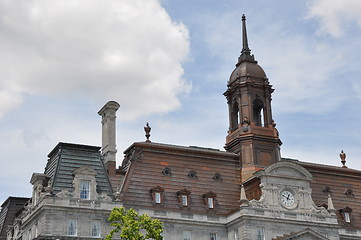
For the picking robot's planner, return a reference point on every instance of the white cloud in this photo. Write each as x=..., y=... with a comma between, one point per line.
x=334, y=14
x=129, y=51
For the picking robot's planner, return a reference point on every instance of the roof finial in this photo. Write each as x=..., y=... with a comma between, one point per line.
x=246, y=52
x=343, y=159
x=147, y=130
x=245, y=48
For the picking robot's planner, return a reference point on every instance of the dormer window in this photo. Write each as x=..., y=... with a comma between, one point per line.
x=84, y=183
x=84, y=189
x=209, y=199
x=157, y=195
x=157, y=198
x=184, y=197
x=184, y=200
x=210, y=203
x=346, y=214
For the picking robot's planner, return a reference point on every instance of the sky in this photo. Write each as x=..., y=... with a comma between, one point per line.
x=167, y=62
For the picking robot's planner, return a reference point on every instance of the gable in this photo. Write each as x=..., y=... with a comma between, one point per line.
x=306, y=234
x=286, y=169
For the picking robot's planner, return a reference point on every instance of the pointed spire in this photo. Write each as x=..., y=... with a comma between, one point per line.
x=330, y=207
x=243, y=200
x=246, y=52
x=245, y=48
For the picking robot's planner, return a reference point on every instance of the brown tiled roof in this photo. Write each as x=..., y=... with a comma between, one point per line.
x=336, y=181
x=145, y=173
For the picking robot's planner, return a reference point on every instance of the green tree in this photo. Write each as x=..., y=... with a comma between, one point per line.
x=132, y=226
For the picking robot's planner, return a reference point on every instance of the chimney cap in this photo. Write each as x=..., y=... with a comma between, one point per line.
x=109, y=105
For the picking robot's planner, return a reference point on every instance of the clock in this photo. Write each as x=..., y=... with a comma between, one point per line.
x=287, y=198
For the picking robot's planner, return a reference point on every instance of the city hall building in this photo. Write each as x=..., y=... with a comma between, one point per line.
x=245, y=192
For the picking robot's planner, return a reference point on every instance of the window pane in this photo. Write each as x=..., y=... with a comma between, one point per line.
x=187, y=235
x=210, y=202
x=157, y=197
x=184, y=200
x=260, y=234
x=71, y=230
x=213, y=236
x=96, y=229
x=347, y=217
x=84, y=189
x=236, y=235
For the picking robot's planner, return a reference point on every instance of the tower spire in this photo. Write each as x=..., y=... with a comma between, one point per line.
x=246, y=52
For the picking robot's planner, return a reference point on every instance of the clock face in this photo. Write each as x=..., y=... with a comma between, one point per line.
x=287, y=198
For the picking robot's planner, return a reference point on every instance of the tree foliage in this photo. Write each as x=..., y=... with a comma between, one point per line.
x=132, y=226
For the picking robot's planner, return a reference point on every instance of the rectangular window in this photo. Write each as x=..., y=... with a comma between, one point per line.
x=210, y=203
x=347, y=217
x=213, y=236
x=187, y=235
x=84, y=189
x=95, y=229
x=71, y=228
x=260, y=234
x=235, y=231
x=157, y=197
x=184, y=200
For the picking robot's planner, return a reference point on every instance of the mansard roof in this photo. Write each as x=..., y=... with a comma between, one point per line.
x=145, y=161
x=66, y=158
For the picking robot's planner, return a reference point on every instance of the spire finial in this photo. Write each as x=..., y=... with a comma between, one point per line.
x=246, y=52
x=343, y=159
x=147, y=130
x=245, y=47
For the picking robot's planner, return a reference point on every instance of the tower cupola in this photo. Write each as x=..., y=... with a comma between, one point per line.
x=252, y=132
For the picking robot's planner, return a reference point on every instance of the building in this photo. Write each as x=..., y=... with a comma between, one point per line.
x=246, y=192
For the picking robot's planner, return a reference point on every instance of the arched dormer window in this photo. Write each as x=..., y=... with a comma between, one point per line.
x=235, y=117
x=210, y=199
x=157, y=194
x=184, y=198
x=346, y=214
x=258, y=112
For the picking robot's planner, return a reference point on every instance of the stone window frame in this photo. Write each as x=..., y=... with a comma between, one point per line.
x=187, y=235
x=346, y=214
x=71, y=232
x=95, y=228
x=157, y=190
x=85, y=174
x=210, y=196
x=181, y=194
x=213, y=236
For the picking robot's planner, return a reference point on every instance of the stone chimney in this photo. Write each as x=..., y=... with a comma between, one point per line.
x=108, y=135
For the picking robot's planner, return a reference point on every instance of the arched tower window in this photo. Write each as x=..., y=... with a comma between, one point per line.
x=235, y=117
x=258, y=112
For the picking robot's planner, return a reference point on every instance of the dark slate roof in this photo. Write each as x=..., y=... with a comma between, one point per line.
x=66, y=157
x=8, y=213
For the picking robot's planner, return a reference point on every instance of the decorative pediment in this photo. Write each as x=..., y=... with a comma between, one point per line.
x=209, y=195
x=157, y=189
x=184, y=192
x=85, y=170
x=286, y=169
x=306, y=234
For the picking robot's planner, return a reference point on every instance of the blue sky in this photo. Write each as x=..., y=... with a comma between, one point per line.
x=167, y=63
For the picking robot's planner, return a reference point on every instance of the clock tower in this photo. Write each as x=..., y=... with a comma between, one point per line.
x=252, y=133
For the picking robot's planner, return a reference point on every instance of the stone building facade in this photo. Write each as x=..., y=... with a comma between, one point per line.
x=247, y=192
